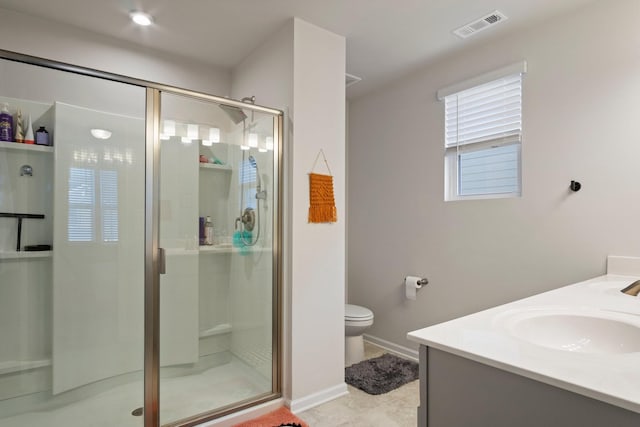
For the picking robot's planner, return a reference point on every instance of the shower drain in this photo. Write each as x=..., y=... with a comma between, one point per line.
x=137, y=412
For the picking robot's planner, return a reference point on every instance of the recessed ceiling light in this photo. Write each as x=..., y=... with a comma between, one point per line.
x=101, y=133
x=141, y=18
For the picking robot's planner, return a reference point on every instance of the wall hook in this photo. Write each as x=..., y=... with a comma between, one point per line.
x=575, y=186
x=26, y=170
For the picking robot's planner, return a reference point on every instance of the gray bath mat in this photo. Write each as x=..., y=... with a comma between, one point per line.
x=381, y=374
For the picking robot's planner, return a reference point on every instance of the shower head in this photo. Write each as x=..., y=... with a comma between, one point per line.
x=254, y=164
x=235, y=114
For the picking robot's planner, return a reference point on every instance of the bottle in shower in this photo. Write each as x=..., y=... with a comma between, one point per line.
x=42, y=136
x=28, y=135
x=6, y=124
x=201, y=230
x=208, y=231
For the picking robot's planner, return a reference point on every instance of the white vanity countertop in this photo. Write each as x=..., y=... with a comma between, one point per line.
x=487, y=337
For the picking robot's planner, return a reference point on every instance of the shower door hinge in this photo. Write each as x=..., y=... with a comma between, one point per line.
x=162, y=261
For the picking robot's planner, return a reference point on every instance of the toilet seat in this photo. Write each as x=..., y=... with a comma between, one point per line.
x=356, y=313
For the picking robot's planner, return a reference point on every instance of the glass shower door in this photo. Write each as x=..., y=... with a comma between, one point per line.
x=218, y=205
x=72, y=220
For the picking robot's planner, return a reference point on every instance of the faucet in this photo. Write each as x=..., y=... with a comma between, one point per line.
x=248, y=219
x=633, y=289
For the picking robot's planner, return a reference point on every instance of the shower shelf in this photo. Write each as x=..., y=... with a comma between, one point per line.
x=229, y=249
x=26, y=147
x=217, y=249
x=180, y=251
x=223, y=168
x=25, y=255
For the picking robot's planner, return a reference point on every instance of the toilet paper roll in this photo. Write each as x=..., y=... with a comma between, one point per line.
x=411, y=286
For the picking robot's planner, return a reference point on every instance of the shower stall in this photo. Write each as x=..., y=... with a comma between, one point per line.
x=118, y=307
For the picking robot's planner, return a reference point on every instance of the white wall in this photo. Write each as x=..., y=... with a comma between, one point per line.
x=301, y=71
x=317, y=250
x=580, y=122
x=47, y=39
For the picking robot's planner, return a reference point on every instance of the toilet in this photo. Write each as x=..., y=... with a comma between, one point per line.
x=357, y=320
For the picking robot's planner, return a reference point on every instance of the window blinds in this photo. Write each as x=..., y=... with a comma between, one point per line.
x=109, y=205
x=248, y=175
x=488, y=112
x=83, y=196
x=81, y=205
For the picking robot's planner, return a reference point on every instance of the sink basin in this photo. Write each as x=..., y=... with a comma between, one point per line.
x=581, y=331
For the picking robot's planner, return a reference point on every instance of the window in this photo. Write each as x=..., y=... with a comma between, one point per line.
x=109, y=205
x=83, y=212
x=81, y=201
x=248, y=176
x=483, y=134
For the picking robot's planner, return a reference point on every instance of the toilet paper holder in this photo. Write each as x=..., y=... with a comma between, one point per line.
x=412, y=284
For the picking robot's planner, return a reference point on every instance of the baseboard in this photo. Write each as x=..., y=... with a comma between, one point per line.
x=246, y=414
x=298, y=405
x=392, y=347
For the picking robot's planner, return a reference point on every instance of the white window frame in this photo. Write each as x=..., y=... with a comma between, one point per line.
x=452, y=153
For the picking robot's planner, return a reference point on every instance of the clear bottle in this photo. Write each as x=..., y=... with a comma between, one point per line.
x=208, y=231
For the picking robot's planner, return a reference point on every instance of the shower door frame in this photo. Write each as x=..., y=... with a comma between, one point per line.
x=154, y=254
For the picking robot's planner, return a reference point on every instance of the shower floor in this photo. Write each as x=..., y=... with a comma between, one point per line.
x=180, y=397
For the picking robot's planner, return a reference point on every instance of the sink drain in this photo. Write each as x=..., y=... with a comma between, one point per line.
x=137, y=412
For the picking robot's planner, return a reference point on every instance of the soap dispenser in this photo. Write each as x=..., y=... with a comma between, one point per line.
x=6, y=124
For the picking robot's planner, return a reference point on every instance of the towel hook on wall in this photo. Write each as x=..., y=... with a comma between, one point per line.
x=26, y=170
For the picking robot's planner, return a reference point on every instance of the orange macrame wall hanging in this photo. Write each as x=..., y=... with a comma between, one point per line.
x=322, y=205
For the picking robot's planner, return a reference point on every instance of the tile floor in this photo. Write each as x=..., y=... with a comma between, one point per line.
x=358, y=409
x=398, y=408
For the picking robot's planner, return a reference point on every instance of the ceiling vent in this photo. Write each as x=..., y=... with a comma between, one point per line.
x=478, y=25
x=351, y=79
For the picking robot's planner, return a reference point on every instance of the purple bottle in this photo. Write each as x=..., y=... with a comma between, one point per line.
x=201, y=222
x=6, y=124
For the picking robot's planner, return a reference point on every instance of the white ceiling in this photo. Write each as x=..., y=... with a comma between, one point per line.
x=385, y=38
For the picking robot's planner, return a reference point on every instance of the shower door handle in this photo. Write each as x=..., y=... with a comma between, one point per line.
x=162, y=261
